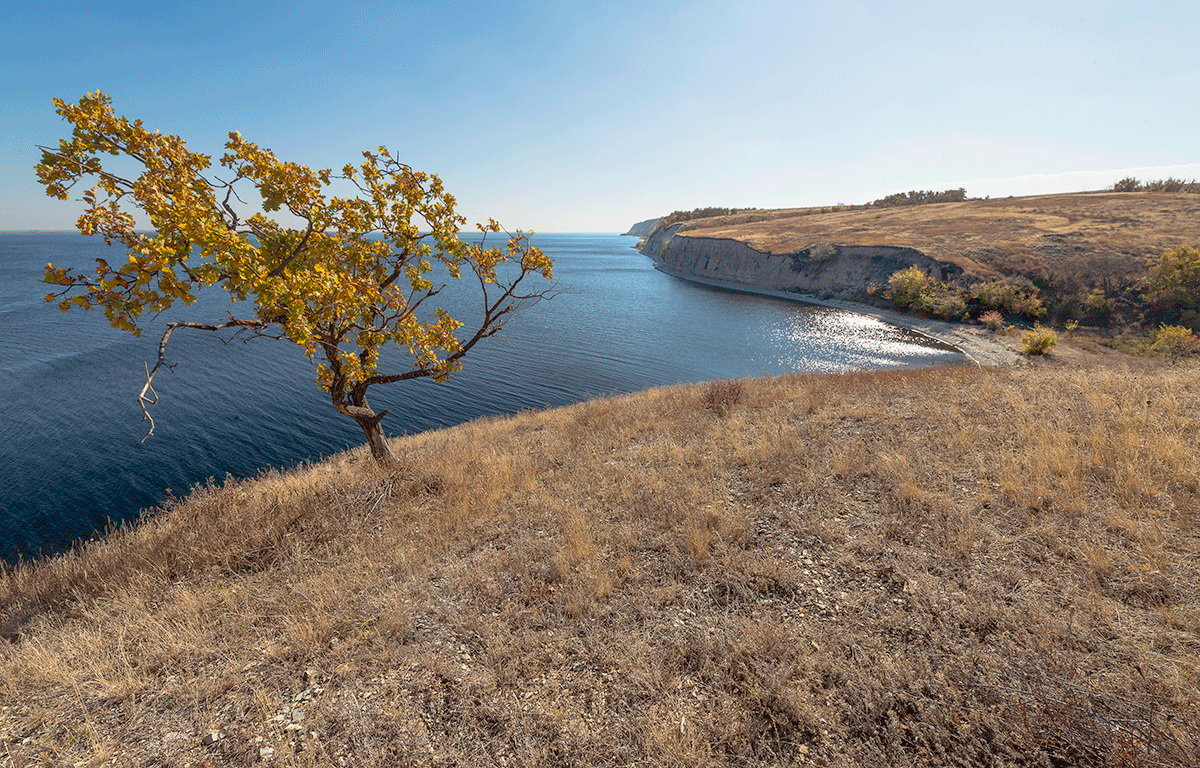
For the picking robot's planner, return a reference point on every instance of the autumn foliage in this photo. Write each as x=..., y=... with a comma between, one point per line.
x=346, y=278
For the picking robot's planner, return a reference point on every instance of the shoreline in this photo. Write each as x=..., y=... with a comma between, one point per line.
x=978, y=346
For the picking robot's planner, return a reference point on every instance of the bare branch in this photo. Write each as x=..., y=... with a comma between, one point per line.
x=495, y=315
x=147, y=397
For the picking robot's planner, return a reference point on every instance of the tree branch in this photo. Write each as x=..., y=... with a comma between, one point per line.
x=495, y=314
x=308, y=230
x=147, y=396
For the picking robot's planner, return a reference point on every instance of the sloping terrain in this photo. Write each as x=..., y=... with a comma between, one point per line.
x=1059, y=242
x=995, y=567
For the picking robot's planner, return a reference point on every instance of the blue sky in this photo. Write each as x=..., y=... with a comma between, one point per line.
x=587, y=116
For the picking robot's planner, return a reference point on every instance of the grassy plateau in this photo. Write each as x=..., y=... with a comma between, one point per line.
x=1059, y=242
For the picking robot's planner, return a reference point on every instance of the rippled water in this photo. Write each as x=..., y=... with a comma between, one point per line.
x=69, y=426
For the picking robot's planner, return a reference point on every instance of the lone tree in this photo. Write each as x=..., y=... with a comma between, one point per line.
x=348, y=277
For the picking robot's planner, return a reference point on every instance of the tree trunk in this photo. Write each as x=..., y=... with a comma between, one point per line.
x=380, y=448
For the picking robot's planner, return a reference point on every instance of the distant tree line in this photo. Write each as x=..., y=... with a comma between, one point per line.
x=920, y=197
x=912, y=197
x=1169, y=184
x=675, y=217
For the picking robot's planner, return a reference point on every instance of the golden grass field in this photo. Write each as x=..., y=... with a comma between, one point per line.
x=965, y=567
x=1073, y=239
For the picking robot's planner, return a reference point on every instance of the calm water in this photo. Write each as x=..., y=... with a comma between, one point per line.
x=70, y=459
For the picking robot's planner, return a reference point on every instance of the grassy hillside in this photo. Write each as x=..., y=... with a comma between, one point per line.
x=1059, y=242
x=939, y=567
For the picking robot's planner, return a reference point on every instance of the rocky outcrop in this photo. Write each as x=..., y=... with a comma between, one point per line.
x=643, y=228
x=822, y=269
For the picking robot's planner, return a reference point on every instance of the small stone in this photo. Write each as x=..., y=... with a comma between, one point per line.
x=266, y=753
x=211, y=738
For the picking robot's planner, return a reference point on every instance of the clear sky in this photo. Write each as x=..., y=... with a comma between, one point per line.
x=559, y=115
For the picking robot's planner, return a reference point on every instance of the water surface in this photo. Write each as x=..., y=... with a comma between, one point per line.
x=69, y=426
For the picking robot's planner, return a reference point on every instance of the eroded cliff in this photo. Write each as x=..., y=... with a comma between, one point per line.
x=1062, y=244
x=822, y=269
x=643, y=228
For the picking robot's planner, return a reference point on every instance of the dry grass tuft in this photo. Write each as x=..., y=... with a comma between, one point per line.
x=721, y=397
x=942, y=567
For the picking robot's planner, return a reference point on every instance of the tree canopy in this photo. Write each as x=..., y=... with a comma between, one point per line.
x=346, y=277
x=1172, y=283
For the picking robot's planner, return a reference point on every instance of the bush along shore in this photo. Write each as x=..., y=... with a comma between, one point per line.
x=964, y=567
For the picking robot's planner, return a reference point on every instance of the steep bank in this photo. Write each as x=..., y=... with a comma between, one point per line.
x=643, y=228
x=832, y=276
x=1057, y=242
x=956, y=567
x=822, y=269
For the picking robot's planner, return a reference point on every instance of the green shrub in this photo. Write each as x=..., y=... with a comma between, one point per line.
x=1097, y=304
x=948, y=304
x=1169, y=184
x=1038, y=341
x=922, y=196
x=914, y=290
x=910, y=288
x=1006, y=298
x=1174, y=341
x=1172, y=282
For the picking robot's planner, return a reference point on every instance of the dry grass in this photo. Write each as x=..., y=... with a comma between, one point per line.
x=950, y=567
x=723, y=396
x=1067, y=241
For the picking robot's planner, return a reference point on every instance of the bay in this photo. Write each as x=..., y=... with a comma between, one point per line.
x=71, y=456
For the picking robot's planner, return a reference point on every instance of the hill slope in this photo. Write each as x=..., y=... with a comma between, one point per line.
x=1061, y=243
x=953, y=567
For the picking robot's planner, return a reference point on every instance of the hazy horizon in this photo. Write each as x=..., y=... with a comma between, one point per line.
x=566, y=117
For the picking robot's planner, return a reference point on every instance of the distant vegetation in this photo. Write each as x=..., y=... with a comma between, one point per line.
x=675, y=217
x=1169, y=184
x=1166, y=292
x=1143, y=273
x=912, y=197
x=921, y=196
x=913, y=290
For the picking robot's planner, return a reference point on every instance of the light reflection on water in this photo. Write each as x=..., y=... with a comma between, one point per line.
x=876, y=344
x=70, y=457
